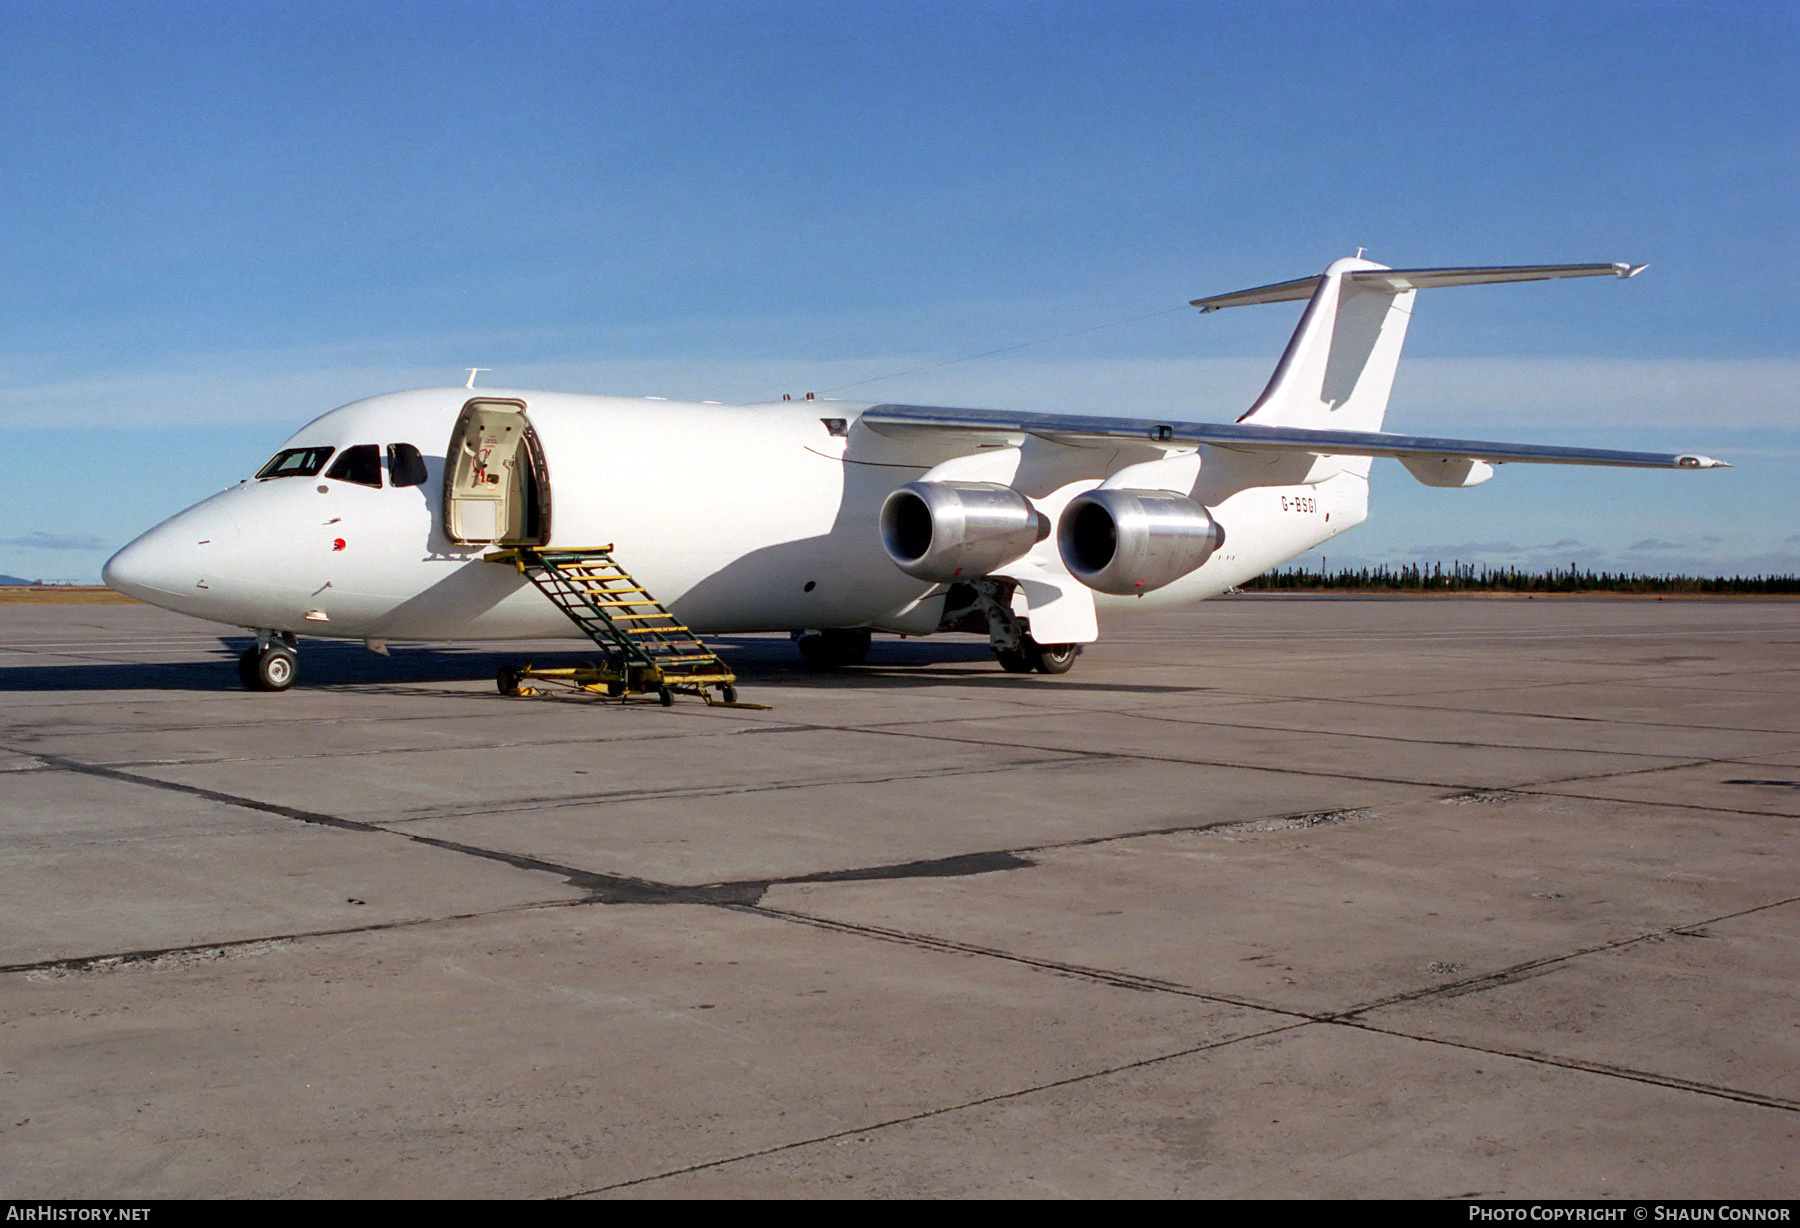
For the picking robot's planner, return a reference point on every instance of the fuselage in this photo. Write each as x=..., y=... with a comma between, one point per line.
x=741, y=518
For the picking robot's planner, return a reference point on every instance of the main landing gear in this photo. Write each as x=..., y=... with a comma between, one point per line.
x=1043, y=658
x=987, y=604
x=271, y=663
x=977, y=605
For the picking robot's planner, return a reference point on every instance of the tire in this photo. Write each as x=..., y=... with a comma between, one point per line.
x=271, y=668
x=1013, y=660
x=665, y=695
x=728, y=693
x=1052, y=658
x=507, y=680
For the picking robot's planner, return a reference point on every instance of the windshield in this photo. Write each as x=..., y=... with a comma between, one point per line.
x=295, y=463
x=361, y=464
x=405, y=466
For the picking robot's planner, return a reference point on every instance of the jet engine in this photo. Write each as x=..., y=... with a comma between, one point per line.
x=958, y=530
x=1128, y=542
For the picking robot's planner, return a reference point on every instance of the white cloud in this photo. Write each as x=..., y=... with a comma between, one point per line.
x=1772, y=563
x=39, y=540
x=292, y=389
x=1471, y=550
x=1433, y=394
x=1690, y=393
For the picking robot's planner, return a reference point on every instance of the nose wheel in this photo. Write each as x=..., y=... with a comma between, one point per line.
x=268, y=667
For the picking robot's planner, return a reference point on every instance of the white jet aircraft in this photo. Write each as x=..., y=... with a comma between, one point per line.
x=827, y=519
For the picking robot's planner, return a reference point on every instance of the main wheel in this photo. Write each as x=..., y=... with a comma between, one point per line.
x=1051, y=658
x=1013, y=660
x=269, y=668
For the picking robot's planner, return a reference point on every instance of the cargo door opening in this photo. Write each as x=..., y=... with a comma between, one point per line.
x=496, y=487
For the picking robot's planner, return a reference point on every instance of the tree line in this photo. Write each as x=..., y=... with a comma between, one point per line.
x=1470, y=578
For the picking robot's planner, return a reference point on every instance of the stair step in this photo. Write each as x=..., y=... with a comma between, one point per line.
x=622, y=616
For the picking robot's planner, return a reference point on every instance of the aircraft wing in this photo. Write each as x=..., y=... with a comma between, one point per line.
x=924, y=421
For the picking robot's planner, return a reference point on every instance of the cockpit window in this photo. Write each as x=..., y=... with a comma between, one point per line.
x=405, y=466
x=361, y=464
x=296, y=463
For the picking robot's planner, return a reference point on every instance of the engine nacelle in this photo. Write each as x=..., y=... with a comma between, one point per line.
x=958, y=530
x=1127, y=542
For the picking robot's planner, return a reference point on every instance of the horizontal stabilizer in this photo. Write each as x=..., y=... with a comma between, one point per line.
x=915, y=421
x=1415, y=279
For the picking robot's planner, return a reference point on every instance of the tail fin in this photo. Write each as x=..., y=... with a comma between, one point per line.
x=1338, y=369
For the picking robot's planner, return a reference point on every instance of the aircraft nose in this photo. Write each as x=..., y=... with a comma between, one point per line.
x=139, y=570
x=169, y=560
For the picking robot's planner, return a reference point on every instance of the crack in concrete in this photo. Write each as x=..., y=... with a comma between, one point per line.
x=1630, y=1074
x=675, y=792
x=153, y=957
x=926, y=1114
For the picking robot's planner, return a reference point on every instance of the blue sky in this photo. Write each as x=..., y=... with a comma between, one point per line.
x=221, y=220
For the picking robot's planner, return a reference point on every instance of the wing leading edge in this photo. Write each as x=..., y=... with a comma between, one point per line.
x=915, y=421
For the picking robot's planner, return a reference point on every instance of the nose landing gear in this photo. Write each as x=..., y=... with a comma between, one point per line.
x=270, y=664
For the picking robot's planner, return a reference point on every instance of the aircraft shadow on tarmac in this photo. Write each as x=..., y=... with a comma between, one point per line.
x=763, y=662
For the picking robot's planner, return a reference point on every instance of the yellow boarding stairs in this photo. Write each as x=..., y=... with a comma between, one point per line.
x=647, y=648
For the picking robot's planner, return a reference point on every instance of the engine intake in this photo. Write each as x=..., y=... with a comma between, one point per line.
x=1127, y=542
x=958, y=530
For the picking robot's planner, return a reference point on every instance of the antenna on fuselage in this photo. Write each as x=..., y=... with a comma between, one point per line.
x=473, y=371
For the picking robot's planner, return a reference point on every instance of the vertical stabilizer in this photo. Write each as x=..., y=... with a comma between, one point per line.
x=1338, y=369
